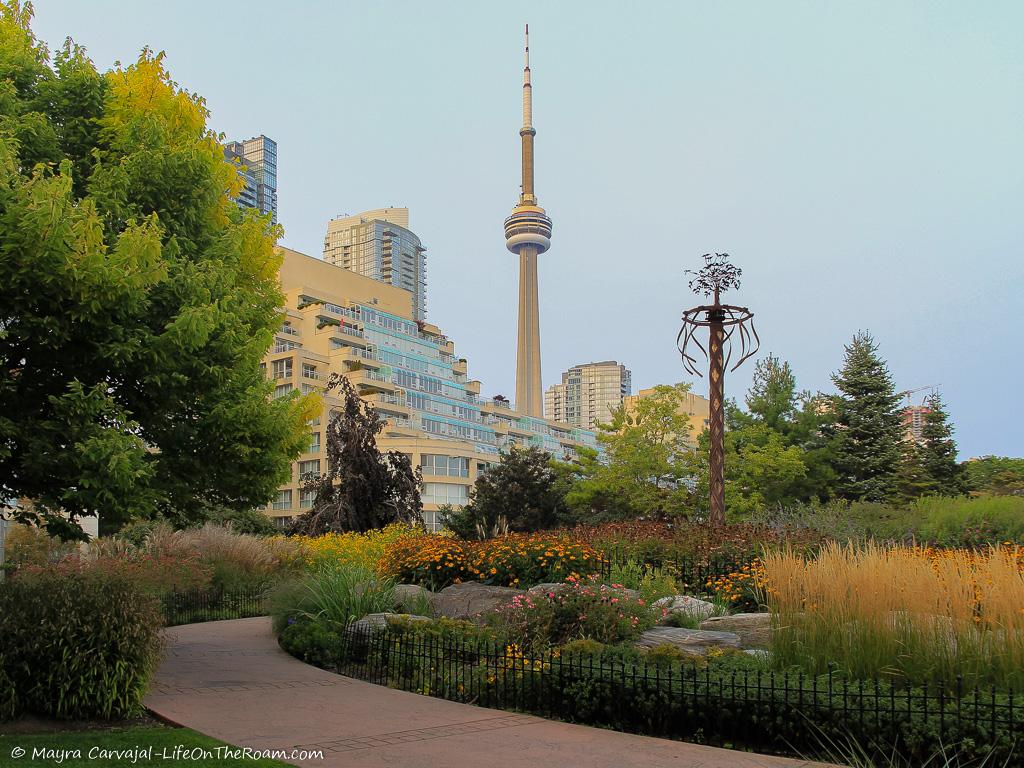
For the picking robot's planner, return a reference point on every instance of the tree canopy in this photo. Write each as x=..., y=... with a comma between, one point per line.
x=363, y=488
x=647, y=467
x=136, y=300
x=866, y=428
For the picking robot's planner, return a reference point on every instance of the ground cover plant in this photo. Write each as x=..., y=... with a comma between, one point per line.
x=581, y=609
x=915, y=615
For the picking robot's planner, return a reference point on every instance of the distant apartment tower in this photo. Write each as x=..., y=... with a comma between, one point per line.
x=913, y=422
x=379, y=245
x=257, y=161
x=588, y=393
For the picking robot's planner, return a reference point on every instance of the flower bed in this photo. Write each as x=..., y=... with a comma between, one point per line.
x=512, y=560
x=581, y=609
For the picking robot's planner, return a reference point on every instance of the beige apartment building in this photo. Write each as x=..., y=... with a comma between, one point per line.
x=588, y=393
x=337, y=321
x=696, y=407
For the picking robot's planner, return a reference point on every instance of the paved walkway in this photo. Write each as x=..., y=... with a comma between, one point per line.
x=229, y=679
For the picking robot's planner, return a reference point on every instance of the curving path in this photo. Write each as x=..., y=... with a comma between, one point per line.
x=229, y=679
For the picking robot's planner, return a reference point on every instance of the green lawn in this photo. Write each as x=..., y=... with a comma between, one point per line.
x=179, y=745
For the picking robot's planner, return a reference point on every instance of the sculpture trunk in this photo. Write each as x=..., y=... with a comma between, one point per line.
x=716, y=393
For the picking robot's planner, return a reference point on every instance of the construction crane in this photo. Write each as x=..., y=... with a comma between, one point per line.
x=905, y=394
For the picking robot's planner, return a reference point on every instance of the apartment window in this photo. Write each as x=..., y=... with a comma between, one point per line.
x=445, y=493
x=451, y=466
x=283, y=522
x=282, y=368
x=311, y=467
x=307, y=388
x=283, y=500
x=282, y=390
x=306, y=499
x=314, y=442
x=309, y=371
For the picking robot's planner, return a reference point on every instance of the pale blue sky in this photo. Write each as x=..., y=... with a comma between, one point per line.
x=862, y=162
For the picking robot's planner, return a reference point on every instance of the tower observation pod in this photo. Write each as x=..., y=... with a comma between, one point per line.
x=528, y=233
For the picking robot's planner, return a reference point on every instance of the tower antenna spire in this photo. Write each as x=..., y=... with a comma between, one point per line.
x=528, y=234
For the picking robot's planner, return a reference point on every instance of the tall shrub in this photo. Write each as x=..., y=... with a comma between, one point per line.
x=78, y=645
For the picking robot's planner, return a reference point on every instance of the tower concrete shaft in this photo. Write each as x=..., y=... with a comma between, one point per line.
x=528, y=233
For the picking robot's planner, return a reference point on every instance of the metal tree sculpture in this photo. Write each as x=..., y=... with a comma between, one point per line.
x=723, y=321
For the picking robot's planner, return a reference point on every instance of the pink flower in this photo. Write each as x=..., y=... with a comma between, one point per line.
x=615, y=600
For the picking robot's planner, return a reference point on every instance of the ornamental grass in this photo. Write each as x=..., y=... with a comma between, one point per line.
x=916, y=615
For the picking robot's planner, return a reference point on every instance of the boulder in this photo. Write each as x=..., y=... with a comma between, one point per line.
x=695, y=642
x=543, y=589
x=374, y=622
x=470, y=599
x=691, y=606
x=754, y=629
x=410, y=596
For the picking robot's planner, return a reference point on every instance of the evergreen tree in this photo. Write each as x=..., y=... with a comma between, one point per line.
x=912, y=479
x=136, y=300
x=867, y=430
x=362, y=488
x=772, y=398
x=938, y=450
x=519, y=493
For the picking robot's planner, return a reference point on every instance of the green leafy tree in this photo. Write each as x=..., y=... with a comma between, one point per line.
x=761, y=470
x=866, y=431
x=938, y=450
x=136, y=300
x=647, y=463
x=520, y=493
x=362, y=488
x=997, y=475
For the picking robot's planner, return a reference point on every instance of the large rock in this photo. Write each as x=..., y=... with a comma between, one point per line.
x=412, y=596
x=695, y=642
x=547, y=588
x=470, y=599
x=374, y=622
x=691, y=606
x=754, y=629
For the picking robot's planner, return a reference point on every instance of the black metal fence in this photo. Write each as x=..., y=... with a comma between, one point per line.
x=198, y=605
x=748, y=709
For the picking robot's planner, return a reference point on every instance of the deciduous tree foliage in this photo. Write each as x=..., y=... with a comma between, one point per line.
x=647, y=463
x=136, y=300
x=998, y=475
x=362, y=488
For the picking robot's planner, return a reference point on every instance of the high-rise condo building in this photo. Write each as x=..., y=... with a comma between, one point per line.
x=914, y=417
x=337, y=321
x=588, y=393
x=257, y=161
x=696, y=407
x=528, y=233
x=379, y=245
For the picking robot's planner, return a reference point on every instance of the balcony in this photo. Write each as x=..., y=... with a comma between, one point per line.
x=460, y=367
x=388, y=404
x=473, y=387
x=357, y=357
x=369, y=381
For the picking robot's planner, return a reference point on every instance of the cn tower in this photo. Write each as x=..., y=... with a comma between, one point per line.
x=528, y=233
